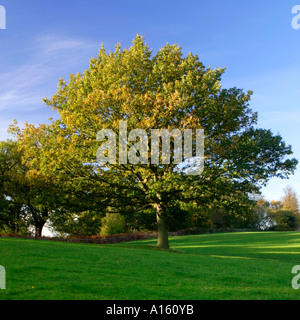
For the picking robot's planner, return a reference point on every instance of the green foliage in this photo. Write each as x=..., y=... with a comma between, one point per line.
x=112, y=223
x=166, y=90
x=142, y=220
x=177, y=218
x=262, y=220
x=277, y=215
x=13, y=219
x=284, y=220
x=80, y=224
x=198, y=216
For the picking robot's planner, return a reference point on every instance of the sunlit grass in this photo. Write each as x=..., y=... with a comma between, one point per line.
x=213, y=266
x=263, y=245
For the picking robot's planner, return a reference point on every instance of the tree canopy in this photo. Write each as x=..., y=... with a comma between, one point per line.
x=166, y=90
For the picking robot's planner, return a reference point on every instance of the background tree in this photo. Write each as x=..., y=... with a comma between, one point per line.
x=161, y=91
x=12, y=217
x=275, y=205
x=35, y=191
x=283, y=220
x=262, y=218
x=290, y=200
x=278, y=215
x=65, y=201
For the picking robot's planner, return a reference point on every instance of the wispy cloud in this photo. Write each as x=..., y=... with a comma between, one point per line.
x=62, y=45
x=52, y=47
x=26, y=85
x=23, y=87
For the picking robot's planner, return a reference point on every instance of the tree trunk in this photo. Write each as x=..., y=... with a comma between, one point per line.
x=39, y=228
x=162, y=238
x=39, y=219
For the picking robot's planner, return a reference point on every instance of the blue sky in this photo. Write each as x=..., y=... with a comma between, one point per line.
x=254, y=40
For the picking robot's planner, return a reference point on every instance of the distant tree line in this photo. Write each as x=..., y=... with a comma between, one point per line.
x=280, y=215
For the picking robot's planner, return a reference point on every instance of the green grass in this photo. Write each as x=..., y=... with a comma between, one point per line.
x=215, y=266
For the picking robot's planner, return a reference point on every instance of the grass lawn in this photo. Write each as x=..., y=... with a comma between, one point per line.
x=215, y=266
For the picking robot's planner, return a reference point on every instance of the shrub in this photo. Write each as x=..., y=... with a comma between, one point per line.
x=284, y=220
x=112, y=223
x=81, y=224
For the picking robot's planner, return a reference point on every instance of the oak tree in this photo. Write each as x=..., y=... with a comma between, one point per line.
x=165, y=90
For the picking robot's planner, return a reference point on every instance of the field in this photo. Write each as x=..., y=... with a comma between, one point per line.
x=220, y=266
